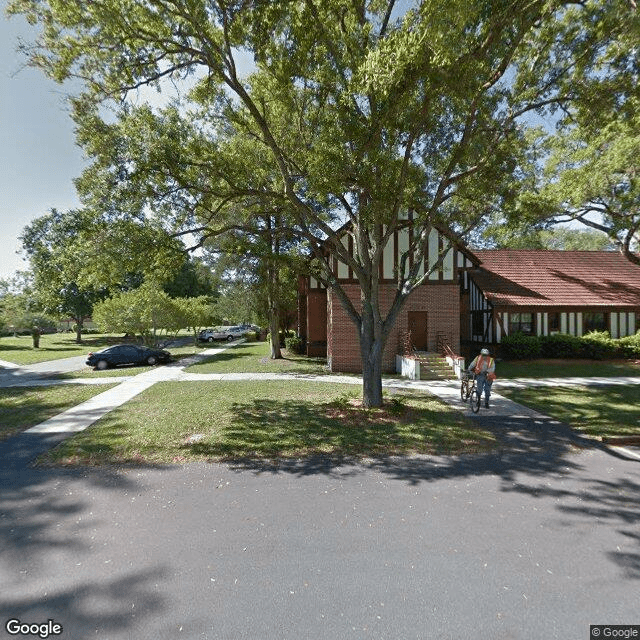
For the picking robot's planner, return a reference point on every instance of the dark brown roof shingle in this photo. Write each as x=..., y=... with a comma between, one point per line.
x=515, y=277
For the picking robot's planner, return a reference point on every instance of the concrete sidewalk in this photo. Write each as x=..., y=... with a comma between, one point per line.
x=85, y=414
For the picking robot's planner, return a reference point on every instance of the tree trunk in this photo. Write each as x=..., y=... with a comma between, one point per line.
x=372, y=378
x=372, y=341
x=78, y=330
x=274, y=331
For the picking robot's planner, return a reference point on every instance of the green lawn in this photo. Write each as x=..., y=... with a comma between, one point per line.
x=233, y=420
x=24, y=407
x=53, y=346
x=567, y=368
x=596, y=411
x=253, y=357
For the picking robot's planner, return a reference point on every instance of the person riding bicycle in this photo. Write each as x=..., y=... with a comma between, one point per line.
x=484, y=366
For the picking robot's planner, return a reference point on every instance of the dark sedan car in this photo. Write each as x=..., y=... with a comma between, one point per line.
x=127, y=354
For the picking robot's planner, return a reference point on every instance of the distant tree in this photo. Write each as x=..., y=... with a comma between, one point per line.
x=196, y=314
x=76, y=258
x=502, y=235
x=194, y=279
x=593, y=174
x=589, y=165
x=146, y=311
x=20, y=308
x=260, y=258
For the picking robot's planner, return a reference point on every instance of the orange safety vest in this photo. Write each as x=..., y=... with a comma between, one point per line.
x=480, y=361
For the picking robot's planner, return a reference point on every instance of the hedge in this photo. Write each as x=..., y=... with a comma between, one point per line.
x=596, y=345
x=519, y=346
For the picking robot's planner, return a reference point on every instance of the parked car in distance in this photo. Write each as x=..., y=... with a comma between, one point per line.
x=121, y=354
x=221, y=333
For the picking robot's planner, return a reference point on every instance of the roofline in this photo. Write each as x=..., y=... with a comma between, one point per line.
x=457, y=243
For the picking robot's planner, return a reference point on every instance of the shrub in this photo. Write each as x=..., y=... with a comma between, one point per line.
x=559, y=345
x=598, y=345
x=518, y=346
x=630, y=346
x=293, y=344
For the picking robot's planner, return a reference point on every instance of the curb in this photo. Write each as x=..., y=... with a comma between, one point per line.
x=620, y=440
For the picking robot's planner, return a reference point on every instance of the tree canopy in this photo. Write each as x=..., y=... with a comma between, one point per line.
x=593, y=175
x=353, y=111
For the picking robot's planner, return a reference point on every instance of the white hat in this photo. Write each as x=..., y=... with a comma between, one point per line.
x=484, y=352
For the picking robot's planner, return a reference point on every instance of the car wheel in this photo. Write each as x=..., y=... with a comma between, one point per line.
x=210, y=339
x=102, y=365
x=151, y=360
x=229, y=338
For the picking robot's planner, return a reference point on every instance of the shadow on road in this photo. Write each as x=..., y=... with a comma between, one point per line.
x=539, y=458
x=44, y=530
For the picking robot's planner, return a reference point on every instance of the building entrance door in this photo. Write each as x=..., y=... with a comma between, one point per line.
x=418, y=327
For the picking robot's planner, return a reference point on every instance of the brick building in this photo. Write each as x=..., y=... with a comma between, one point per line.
x=476, y=298
x=432, y=312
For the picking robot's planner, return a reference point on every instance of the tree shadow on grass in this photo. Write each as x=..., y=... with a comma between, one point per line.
x=290, y=428
x=260, y=362
x=229, y=355
x=22, y=407
x=297, y=438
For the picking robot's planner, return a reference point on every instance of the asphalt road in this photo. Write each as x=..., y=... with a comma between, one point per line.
x=537, y=543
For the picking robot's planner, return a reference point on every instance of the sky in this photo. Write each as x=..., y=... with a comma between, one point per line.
x=38, y=155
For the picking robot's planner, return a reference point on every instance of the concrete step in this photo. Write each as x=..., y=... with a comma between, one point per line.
x=434, y=367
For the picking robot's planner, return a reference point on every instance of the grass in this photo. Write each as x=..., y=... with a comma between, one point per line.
x=179, y=422
x=24, y=407
x=53, y=346
x=253, y=357
x=567, y=368
x=88, y=372
x=596, y=411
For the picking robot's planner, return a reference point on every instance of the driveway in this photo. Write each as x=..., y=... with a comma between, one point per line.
x=11, y=374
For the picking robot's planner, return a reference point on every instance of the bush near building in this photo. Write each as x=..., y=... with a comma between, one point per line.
x=596, y=345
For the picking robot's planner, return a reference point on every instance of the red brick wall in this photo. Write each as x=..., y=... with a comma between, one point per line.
x=441, y=301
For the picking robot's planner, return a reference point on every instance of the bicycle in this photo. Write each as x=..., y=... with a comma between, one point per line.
x=469, y=391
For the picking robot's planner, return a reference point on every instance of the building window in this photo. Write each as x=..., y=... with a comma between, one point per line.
x=522, y=322
x=477, y=324
x=594, y=322
x=554, y=323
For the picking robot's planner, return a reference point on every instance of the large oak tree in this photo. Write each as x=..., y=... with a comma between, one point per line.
x=358, y=112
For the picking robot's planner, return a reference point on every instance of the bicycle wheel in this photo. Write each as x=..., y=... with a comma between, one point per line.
x=474, y=400
x=464, y=389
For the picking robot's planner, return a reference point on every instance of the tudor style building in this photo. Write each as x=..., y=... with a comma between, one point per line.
x=476, y=298
x=545, y=292
x=432, y=312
